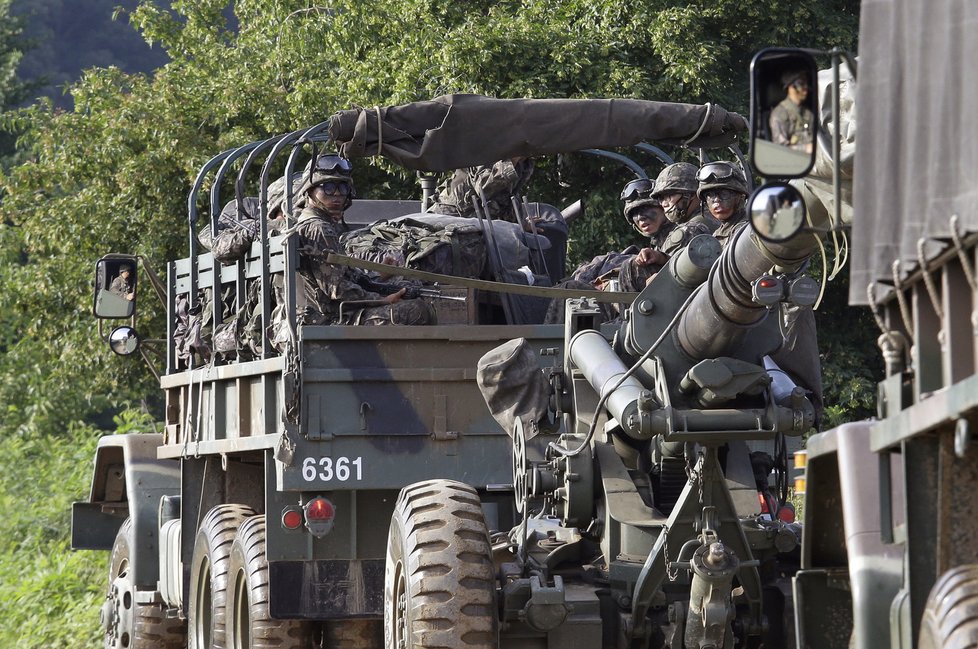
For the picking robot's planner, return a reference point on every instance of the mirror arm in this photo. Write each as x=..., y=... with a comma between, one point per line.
x=149, y=363
x=154, y=279
x=836, y=142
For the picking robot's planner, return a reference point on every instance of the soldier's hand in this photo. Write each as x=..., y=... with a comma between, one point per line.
x=648, y=257
x=395, y=297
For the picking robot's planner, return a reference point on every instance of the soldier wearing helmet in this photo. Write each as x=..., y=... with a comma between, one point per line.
x=123, y=285
x=645, y=214
x=328, y=192
x=675, y=187
x=791, y=120
x=723, y=189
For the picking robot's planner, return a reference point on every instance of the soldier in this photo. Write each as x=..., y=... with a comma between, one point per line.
x=675, y=190
x=122, y=285
x=723, y=190
x=675, y=187
x=648, y=218
x=791, y=121
x=328, y=193
x=498, y=183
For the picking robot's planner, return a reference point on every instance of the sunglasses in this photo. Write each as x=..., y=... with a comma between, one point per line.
x=332, y=163
x=639, y=188
x=333, y=188
x=715, y=171
x=799, y=85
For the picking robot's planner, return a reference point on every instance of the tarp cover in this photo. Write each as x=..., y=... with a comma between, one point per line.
x=456, y=131
x=917, y=152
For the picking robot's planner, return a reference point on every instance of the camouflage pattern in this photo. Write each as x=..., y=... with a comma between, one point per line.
x=326, y=286
x=120, y=285
x=724, y=234
x=791, y=125
x=514, y=387
x=633, y=275
x=499, y=183
x=679, y=177
x=588, y=272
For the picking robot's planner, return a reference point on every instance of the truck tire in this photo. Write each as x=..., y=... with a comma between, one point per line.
x=439, y=583
x=951, y=615
x=249, y=626
x=127, y=623
x=206, y=615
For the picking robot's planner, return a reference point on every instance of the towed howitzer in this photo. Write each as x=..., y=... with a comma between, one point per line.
x=651, y=490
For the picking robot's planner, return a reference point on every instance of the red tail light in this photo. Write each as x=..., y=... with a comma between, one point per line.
x=319, y=516
x=291, y=518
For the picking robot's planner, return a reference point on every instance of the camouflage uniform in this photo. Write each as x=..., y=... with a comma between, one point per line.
x=121, y=286
x=669, y=239
x=724, y=234
x=325, y=286
x=791, y=125
x=499, y=183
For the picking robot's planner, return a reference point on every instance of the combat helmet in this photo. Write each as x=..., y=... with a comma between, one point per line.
x=329, y=167
x=677, y=178
x=720, y=175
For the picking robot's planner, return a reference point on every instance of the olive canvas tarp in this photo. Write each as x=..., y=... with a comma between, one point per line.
x=917, y=150
x=456, y=131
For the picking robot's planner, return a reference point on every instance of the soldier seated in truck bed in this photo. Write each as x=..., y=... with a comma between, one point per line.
x=333, y=294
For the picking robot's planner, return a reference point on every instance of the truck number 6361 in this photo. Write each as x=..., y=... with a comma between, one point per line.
x=326, y=468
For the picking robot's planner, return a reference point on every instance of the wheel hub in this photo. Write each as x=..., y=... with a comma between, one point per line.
x=116, y=615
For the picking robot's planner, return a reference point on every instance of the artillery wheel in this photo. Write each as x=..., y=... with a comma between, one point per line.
x=127, y=623
x=950, y=618
x=249, y=625
x=439, y=584
x=206, y=614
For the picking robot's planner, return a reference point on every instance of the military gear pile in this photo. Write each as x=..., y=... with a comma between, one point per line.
x=454, y=249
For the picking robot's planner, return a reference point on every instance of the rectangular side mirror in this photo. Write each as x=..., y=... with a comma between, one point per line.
x=115, y=287
x=784, y=112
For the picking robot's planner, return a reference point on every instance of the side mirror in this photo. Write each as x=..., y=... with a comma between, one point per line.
x=784, y=112
x=124, y=340
x=115, y=287
x=777, y=212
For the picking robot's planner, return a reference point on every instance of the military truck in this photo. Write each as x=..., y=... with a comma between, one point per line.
x=258, y=516
x=891, y=504
x=645, y=520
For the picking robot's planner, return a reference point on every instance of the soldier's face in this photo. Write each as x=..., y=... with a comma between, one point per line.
x=798, y=91
x=723, y=203
x=648, y=219
x=677, y=206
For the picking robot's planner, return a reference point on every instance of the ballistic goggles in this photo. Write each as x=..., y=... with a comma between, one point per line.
x=713, y=171
x=332, y=164
x=636, y=189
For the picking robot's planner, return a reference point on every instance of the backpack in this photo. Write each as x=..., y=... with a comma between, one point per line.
x=455, y=249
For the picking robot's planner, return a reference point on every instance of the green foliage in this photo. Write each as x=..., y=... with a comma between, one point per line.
x=41, y=580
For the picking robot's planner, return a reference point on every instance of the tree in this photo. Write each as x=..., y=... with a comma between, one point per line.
x=112, y=175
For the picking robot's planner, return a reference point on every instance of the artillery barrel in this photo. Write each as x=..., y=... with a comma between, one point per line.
x=720, y=316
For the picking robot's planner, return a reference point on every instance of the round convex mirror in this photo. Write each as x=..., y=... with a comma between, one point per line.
x=777, y=211
x=124, y=340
